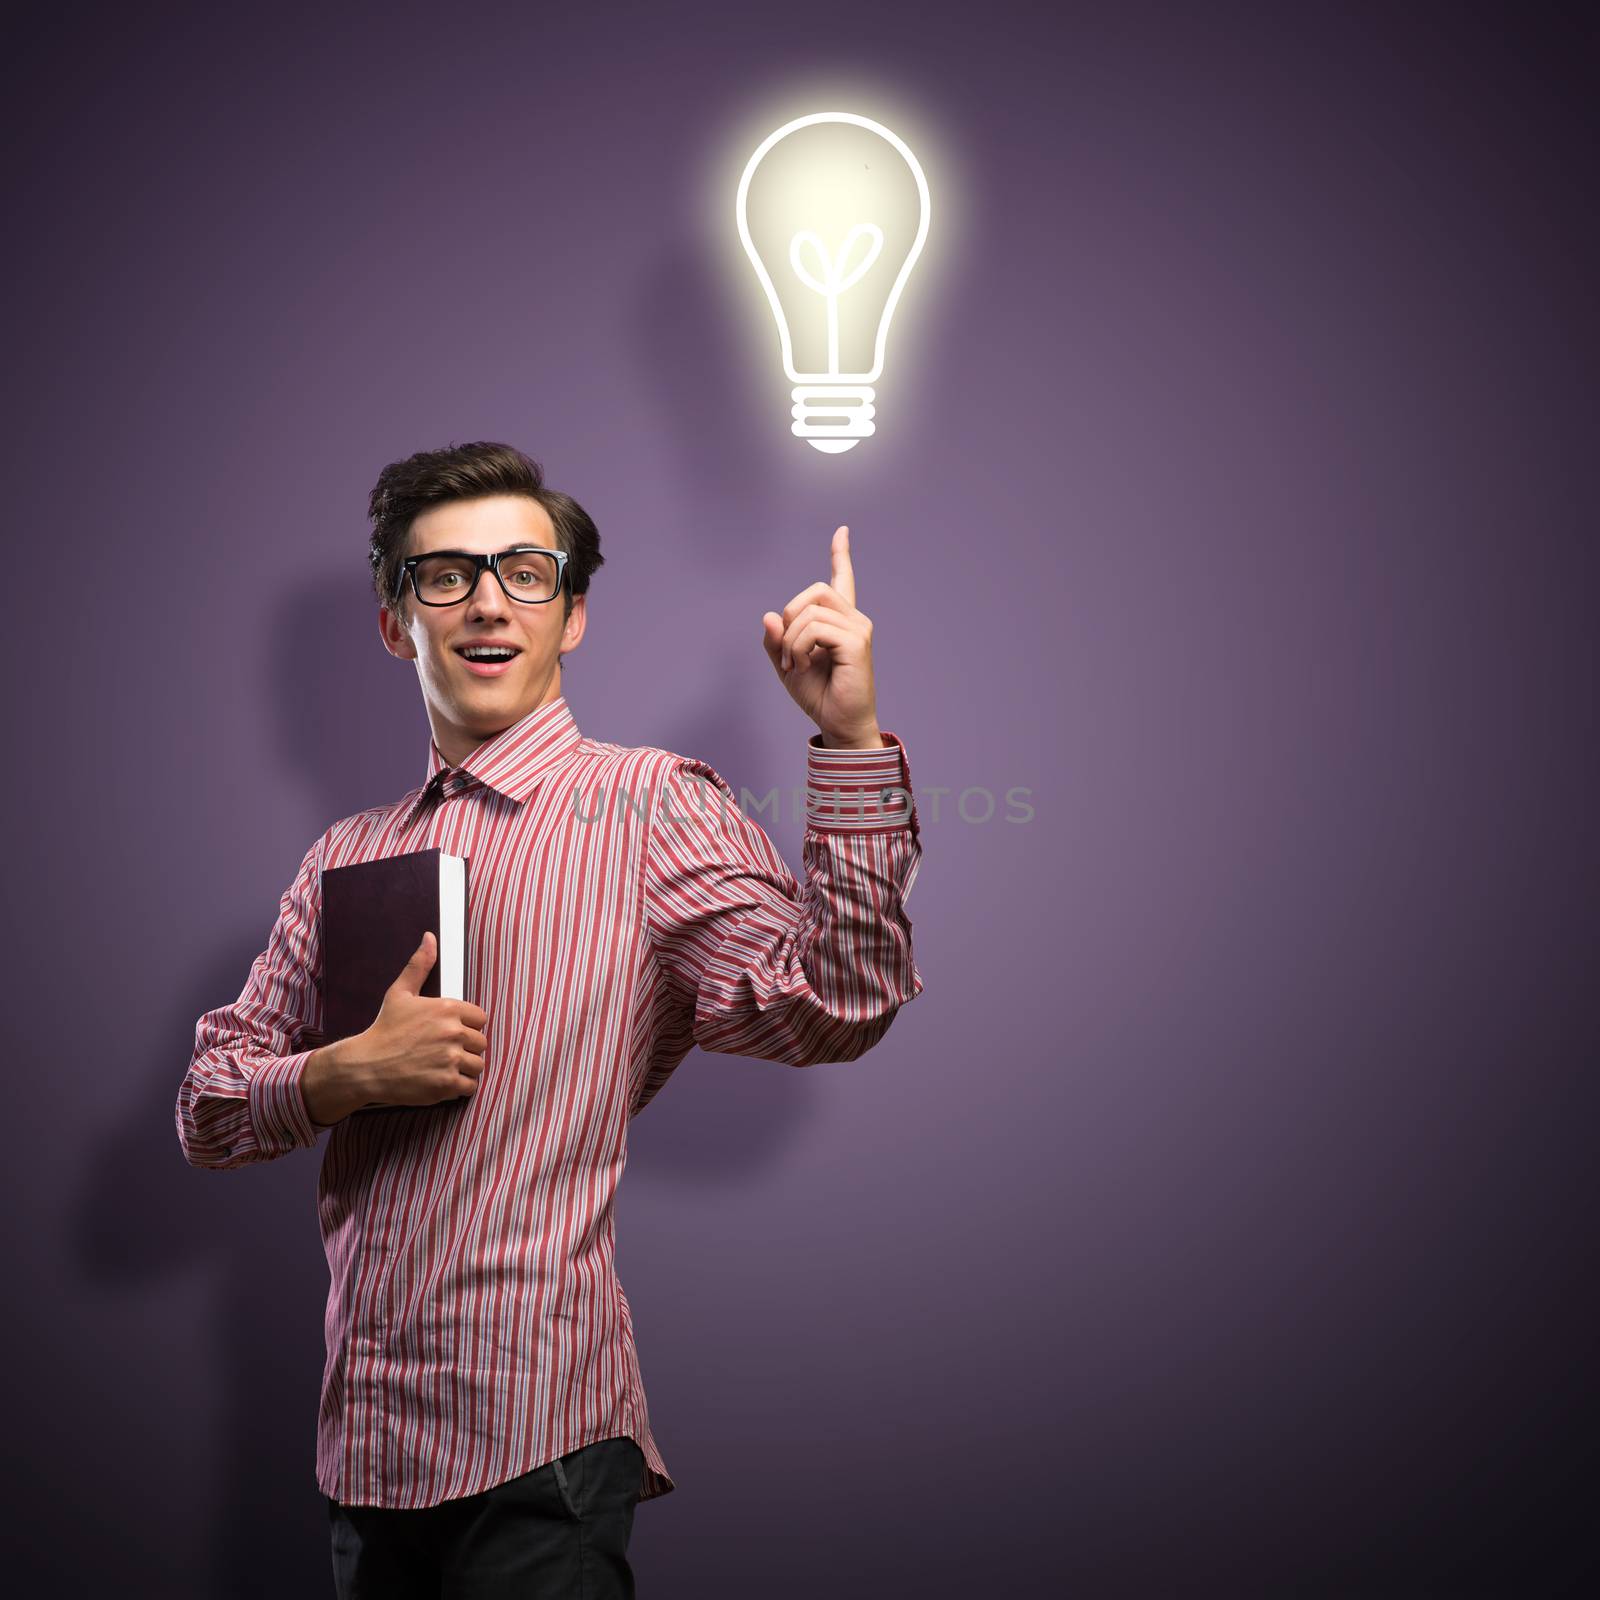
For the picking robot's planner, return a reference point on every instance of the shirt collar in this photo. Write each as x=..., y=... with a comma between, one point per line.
x=513, y=761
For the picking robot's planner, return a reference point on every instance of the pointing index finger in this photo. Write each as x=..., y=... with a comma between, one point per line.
x=844, y=577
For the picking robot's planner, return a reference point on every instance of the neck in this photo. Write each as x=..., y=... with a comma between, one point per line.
x=457, y=743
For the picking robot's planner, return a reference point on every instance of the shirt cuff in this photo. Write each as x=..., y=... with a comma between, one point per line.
x=859, y=791
x=277, y=1108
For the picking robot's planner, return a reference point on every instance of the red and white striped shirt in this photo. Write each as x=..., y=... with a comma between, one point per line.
x=621, y=909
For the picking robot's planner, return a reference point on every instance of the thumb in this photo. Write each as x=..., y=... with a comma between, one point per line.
x=417, y=968
x=772, y=637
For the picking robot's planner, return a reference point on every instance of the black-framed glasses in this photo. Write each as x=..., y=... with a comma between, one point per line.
x=530, y=575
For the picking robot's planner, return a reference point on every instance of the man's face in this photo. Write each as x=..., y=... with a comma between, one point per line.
x=466, y=705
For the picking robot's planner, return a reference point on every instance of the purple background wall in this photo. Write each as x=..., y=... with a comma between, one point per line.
x=1214, y=1222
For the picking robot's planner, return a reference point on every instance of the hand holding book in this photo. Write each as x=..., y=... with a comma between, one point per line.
x=420, y=1051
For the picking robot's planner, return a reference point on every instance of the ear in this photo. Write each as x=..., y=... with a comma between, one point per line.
x=577, y=619
x=395, y=638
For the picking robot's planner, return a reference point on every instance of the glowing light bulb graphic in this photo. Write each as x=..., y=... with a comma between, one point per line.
x=833, y=210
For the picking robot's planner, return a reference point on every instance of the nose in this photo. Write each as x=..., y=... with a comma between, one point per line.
x=488, y=599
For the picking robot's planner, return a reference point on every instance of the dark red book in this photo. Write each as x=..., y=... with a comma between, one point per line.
x=374, y=914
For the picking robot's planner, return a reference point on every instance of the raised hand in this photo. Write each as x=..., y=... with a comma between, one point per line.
x=820, y=646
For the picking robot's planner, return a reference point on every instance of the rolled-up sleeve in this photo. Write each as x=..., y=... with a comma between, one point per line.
x=240, y=1099
x=768, y=967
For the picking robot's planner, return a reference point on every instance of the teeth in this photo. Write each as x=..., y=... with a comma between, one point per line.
x=488, y=655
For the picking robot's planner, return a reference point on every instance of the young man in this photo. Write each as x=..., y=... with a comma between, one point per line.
x=483, y=1426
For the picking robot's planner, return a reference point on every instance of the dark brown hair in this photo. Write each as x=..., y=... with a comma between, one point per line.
x=405, y=489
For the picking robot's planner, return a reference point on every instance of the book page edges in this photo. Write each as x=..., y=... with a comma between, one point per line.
x=452, y=926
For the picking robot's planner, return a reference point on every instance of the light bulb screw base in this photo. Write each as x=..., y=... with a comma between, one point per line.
x=833, y=417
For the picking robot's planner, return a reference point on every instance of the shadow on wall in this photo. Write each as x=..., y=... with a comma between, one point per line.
x=348, y=718
x=146, y=1216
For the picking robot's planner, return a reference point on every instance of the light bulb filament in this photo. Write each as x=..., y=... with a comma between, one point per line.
x=831, y=279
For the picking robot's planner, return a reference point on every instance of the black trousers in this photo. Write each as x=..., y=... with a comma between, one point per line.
x=559, y=1531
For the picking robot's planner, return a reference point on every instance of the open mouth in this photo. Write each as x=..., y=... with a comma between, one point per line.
x=487, y=661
